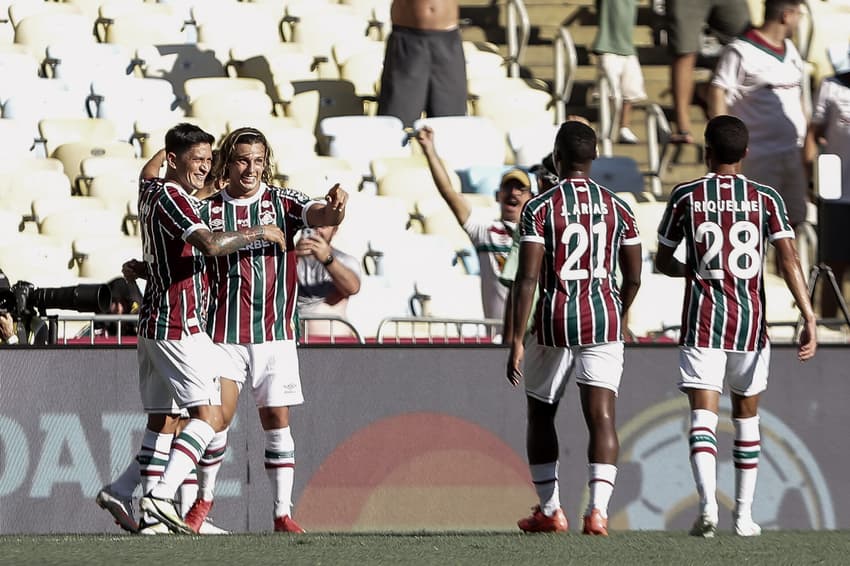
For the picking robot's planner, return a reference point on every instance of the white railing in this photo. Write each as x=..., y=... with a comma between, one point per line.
x=332, y=320
x=518, y=31
x=566, y=63
x=421, y=330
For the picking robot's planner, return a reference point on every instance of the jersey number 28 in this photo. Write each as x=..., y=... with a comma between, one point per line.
x=743, y=260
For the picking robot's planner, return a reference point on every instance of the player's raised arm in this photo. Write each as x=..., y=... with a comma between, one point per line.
x=456, y=202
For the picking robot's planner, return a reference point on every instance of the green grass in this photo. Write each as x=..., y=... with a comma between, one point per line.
x=621, y=549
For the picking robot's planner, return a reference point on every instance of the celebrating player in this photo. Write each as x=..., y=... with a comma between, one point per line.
x=573, y=237
x=725, y=219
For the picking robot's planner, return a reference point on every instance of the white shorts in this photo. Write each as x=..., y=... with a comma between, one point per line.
x=177, y=374
x=547, y=370
x=626, y=75
x=706, y=368
x=272, y=367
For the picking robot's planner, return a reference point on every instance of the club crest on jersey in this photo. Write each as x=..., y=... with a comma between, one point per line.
x=265, y=204
x=216, y=209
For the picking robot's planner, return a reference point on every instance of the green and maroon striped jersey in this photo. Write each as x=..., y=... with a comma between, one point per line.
x=725, y=221
x=582, y=226
x=255, y=288
x=177, y=293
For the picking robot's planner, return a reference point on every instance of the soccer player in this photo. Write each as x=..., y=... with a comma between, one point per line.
x=492, y=238
x=250, y=320
x=724, y=219
x=178, y=364
x=573, y=237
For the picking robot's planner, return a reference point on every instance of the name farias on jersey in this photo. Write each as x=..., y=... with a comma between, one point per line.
x=582, y=208
x=726, y=206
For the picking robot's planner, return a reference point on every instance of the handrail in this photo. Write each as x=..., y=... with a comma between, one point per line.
x=517, y=35
x=492, y=326
x=91, y=319
x=330, y=319
x=657, y=138
x=805, y=35
x=610, y=109
x=566, y=62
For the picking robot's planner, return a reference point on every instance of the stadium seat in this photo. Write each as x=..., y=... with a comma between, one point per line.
x=16, y=139
x=412, y=185
x=72, y=154
x=216, y=108
x=127, y=99
x=513, y=108
x=37, y=31
x=379, y=298
x=114, y=190
x=531, y=144
x=100, y=259
x=177, y=63
x=57, y=131
x=21, y=187
x=47, y=263
x=360, y=62
x=313, y=101
x=359, y=139
x=466, y=141
x=34, y=100
x=648, y=217
x=318, y=26
x=18, y=66
x=259, y=24
x=360, y=225
x=438, y=218
x=82, y=64
x=277, y=66
x=70, y=205
x=315, y=175
x=201, y=86
x=83, y=223
x=658, y=304
x=138, y=24
x=483, y=63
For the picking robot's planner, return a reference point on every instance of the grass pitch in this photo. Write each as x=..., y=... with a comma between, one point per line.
x=773, y=548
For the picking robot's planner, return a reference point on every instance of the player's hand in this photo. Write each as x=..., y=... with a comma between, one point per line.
x=275, y=235
x=134, y=269
x=336, y=198
x=313, y=245
x=425, y=137
x=514, y=367
x=808, y=340
x=7, y=326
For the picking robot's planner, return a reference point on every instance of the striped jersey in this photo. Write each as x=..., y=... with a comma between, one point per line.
x=581, y=226
x=255, y=288
x=492, y=240
x=177, y=293
x=725, y=221
x=763, y=88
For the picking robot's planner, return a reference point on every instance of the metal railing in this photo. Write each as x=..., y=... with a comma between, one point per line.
x=456, y=330
x=92, y=338
x=566, y=63
x=518, y=31
x=331, y=320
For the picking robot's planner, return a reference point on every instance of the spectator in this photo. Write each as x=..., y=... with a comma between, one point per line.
x=831, y=128
x=492, y=238
x=617, y=58
x=686, y=21
x=327, y=277
x=726, y=220
x=573, y=237
x=424, y=66
x=759, y=79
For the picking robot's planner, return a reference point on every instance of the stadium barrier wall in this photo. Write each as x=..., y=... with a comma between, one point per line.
x=423, y=438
